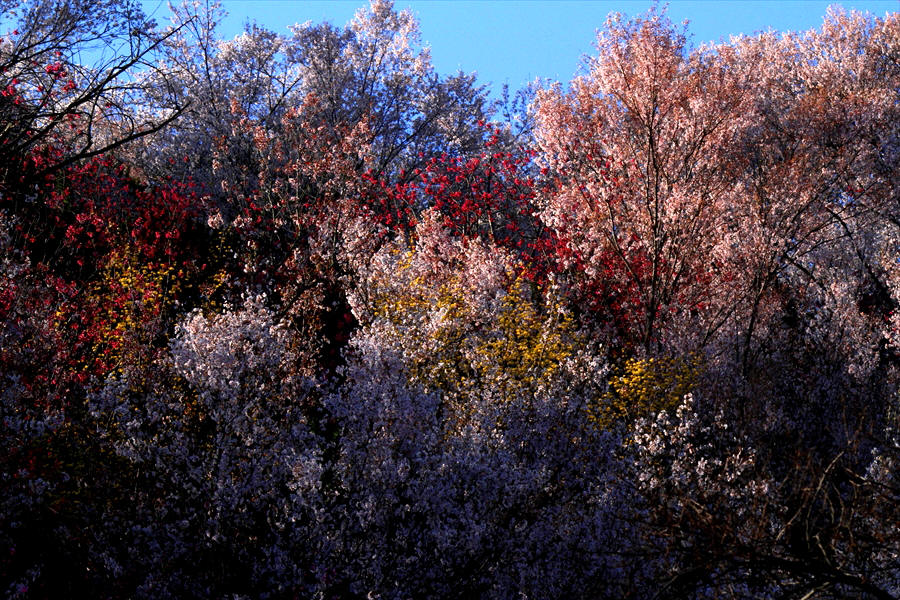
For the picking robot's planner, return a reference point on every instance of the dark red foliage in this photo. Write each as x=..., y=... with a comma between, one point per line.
x=492, y=196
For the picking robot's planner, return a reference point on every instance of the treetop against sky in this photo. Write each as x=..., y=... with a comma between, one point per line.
x=517, y=41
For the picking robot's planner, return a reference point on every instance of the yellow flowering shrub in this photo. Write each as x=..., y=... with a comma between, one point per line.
x=646, y=386
x=127, y=305
x=525, y=346
x=214, y=290
x=461, y=340
x=436, y=318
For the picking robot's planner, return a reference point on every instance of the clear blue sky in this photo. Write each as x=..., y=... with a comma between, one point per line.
x=515, y=41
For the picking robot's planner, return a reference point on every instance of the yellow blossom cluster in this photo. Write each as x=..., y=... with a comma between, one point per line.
x=131, y=297
x=645, y=386
x=510, y=342
x=214, y=289
x=526, y=345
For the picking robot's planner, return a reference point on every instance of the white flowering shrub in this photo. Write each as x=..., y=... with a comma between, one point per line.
x=223, y=432
x=521, y=500
x=725, y=510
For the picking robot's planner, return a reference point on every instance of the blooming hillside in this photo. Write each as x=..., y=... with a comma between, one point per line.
x=299, y=317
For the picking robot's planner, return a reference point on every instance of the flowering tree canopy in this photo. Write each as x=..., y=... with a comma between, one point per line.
x=299, y=317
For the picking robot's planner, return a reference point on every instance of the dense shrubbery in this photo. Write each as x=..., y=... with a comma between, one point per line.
x=307, y=322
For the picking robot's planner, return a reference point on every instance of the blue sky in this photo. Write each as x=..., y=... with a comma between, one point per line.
x=516, y=41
